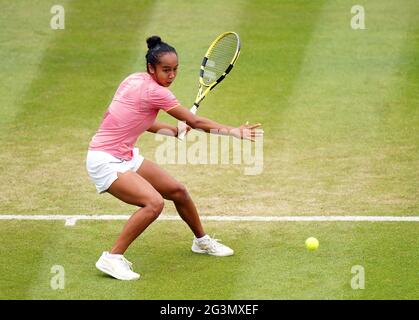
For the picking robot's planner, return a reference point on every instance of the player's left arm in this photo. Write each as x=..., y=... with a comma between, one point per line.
x=165, y=129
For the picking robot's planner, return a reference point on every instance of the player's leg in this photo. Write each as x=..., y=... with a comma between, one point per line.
x=172, y=190
x=133, y=189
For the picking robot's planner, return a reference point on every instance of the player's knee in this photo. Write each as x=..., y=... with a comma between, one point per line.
x=156, y=206
x=179, y=193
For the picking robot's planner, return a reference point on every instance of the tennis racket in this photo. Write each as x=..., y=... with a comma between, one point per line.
x=217, y=63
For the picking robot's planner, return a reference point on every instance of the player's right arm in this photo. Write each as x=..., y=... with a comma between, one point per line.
x=245, y=131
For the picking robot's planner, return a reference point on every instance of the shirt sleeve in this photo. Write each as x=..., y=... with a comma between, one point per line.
x=162, y=98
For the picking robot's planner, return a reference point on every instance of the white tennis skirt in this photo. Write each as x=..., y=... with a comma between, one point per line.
x=103, y=167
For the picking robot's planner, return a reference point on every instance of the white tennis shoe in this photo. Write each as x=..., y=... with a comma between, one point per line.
x=116, y=266
x=210, y=246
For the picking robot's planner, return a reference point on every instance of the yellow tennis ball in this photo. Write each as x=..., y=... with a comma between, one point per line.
x=312, y=243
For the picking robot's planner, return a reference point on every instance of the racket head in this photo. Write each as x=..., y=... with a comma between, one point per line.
x=219, y=59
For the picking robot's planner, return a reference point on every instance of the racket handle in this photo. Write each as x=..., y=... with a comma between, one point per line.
x=182, y=125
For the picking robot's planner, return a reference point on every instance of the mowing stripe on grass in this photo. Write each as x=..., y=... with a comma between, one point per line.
x=75, y=76
x=340, y=149
x=25, y=34
x=71, y=220
x=64, y=102
x=335, y=154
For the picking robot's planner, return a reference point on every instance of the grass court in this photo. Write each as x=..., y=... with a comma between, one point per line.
x=339, y=108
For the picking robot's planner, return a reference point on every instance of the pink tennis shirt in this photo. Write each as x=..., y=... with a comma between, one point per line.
x=133, y=110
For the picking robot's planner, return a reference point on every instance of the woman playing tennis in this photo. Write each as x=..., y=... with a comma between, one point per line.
x=115, y=165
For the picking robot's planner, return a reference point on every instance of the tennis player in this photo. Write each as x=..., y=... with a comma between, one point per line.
x=115, y=165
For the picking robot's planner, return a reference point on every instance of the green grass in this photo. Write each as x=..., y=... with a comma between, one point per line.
x=276, y=266
x=339, y=109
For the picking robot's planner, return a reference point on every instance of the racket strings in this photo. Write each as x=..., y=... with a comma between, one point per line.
x=220, y=58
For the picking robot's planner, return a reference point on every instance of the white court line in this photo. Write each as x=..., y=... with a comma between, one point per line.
x=70, y=220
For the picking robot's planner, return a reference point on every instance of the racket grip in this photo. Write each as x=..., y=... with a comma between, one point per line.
x=182, y=125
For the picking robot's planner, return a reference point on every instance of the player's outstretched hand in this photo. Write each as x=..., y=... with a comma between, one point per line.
x=248, y=131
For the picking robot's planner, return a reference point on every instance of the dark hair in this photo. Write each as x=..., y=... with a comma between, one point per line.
x=156, y=48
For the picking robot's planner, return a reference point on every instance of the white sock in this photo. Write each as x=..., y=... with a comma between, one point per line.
x=114, y=256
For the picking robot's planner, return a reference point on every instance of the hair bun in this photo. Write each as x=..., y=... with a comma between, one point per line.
x=153, y=41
